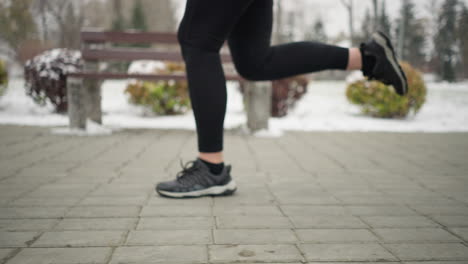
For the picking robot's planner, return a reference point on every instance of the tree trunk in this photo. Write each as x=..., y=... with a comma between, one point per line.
x=401, y=37
x=160, y=15
x=279, y=23
x=351, y=22
x=349, y=5
x=42, y=11
x=375, y=4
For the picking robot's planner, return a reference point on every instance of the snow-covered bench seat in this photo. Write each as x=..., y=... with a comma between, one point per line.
x=84, y=91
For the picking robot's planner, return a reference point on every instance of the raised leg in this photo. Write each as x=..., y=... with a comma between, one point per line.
x=256, y=59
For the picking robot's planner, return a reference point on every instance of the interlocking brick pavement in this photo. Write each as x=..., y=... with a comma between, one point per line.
x=302, y=198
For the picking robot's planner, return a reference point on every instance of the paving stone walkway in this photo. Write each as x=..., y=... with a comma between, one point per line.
x=302, y=198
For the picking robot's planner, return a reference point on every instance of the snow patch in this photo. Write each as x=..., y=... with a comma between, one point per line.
x=145, y=66
x=269, y=133
x=354, y=77
x=15, y=104
x=449, y=87
x=323, y=108
x=56, y=62
x=92, y=129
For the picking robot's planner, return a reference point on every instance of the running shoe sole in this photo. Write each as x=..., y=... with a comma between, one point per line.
x=386, y=45
x=222, y=190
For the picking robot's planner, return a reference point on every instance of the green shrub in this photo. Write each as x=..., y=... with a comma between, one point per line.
x=3, y=76
x=162, y=97
x=379, y=100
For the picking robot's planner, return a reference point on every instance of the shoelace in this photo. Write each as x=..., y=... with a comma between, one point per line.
x=190, y=173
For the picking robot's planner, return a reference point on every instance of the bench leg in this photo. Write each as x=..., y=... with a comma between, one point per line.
x=258, y=104
x=76, y=107
x=93, y=100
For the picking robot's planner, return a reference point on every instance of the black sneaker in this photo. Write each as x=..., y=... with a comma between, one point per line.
x=196, y=180
x=380, y=63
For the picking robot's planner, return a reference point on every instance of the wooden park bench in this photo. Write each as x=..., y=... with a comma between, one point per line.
x=84, y=88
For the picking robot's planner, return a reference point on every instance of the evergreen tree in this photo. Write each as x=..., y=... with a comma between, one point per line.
x=384, y=21
x=319, y=31
x=118, y=23
x=463, y=39
x=16, y=23
x=445, y=41
x=411, y=34
x=138, y=17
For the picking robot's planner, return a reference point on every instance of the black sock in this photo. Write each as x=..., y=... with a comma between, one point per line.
x=368, y=62
x=215, y=168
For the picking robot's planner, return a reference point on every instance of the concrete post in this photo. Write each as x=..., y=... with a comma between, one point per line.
x=93, y=89
x=76, y=106
x=258, y=104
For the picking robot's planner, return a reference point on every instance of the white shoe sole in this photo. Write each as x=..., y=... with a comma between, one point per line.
x=212, y=191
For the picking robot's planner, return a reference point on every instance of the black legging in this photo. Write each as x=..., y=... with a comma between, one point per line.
x=247, y=25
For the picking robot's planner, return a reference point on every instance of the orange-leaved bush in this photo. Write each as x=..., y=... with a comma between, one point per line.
x=162, y=97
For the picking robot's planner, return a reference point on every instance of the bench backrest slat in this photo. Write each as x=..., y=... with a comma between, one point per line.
x=100, y=51
x=127, y=55
x=111, y=75
x=130, y=55
x=128, y=37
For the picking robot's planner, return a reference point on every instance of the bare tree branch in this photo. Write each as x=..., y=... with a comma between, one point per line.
x=349, y=5
x=69, y=21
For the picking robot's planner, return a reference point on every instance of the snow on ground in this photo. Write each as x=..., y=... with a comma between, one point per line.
x=92, y=129
x=324, y=108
